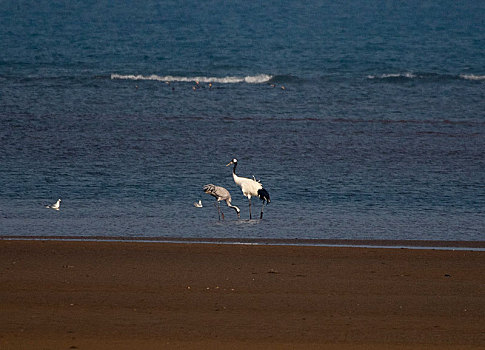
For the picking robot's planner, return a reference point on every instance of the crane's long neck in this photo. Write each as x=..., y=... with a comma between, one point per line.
x=234, y=175
x=228, y=202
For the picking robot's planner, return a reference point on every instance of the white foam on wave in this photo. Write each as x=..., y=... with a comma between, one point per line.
x=252, y=79
x=472, y=77
x=393, y=75
x=409, y=75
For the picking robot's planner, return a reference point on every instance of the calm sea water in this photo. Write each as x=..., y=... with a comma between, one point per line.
x=363, y=120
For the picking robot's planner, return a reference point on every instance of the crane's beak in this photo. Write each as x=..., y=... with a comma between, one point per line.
x=230, y=163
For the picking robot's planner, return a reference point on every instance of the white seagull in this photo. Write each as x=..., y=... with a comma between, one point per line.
x=198, y=204
x=55, y=206
x=221, y=194
x=250, y=188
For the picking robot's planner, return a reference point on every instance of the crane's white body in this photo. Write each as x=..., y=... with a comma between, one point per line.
x=249, y=187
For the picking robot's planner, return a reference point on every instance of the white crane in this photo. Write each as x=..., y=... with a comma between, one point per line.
x=55, y=206
x=250, y=188
x=221, y=194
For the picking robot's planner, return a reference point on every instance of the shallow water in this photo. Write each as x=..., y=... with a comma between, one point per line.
x=377, y=134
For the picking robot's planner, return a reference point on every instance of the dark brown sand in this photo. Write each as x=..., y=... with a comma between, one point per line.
x=115, y=295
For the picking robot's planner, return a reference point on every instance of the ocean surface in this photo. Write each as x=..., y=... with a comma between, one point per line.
x=362, y=119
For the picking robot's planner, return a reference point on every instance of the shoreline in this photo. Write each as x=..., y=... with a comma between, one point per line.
x=338, y=243
x=126, y=295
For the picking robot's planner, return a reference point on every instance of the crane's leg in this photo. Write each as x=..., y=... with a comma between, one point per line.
x=262, y=207
x=250, y=209
x=218, y=210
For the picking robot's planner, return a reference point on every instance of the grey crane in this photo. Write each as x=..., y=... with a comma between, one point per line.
x=221, y=194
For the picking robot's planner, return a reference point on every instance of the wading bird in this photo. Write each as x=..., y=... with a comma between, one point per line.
x=55, y=206
x=250, y=188
x=221, y=194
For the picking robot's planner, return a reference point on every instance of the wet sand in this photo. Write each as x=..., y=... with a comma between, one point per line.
x=131, y=295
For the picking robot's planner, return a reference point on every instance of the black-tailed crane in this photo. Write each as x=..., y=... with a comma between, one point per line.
x=250, y=188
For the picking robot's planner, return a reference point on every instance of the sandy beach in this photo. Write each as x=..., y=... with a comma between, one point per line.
x=131, y=295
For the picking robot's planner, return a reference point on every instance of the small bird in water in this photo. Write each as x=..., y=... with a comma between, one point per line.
x=198, y=204
x=55, y=206
x=221, y=194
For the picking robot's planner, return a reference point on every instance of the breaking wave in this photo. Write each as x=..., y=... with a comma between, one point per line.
x=266, y=78
x=251, y=79
x=424, y=76
x=392, y=75
x=472, y=77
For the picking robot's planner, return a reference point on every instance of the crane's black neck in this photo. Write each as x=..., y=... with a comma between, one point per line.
x=234, y=169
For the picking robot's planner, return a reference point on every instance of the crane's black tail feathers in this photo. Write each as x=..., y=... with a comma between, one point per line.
x=264, y=195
